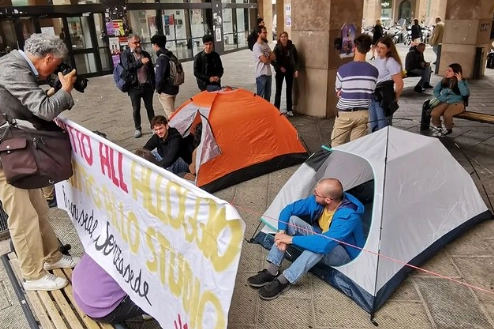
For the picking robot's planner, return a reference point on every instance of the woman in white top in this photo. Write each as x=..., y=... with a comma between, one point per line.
x=388, y=63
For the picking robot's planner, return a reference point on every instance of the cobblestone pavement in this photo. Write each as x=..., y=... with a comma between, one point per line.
x=422, y=301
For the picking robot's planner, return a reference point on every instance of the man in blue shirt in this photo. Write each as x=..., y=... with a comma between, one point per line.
x=355, y=85
x=317, y=225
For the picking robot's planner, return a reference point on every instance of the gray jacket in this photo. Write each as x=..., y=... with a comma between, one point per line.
x=21, y=97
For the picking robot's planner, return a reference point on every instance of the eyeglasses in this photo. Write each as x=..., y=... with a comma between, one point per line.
x=321, y=196
x=136, y=42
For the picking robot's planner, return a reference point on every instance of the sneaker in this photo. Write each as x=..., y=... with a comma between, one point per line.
x=289, y=113
x=52, y=203
x=137, y=133
x=428, y=86
x=436, y=131
x=273, y=289
x=64, y=262
x=147, y=317
x=47, y=283
x=261, y=279
x=418, y=89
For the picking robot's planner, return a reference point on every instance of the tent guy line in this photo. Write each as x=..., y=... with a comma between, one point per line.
x=380, y=255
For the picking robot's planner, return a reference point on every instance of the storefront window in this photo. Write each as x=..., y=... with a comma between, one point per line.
x=174, y=27
x=229, y=30
x=242, y=26
x=143, y=23
x=199, y=27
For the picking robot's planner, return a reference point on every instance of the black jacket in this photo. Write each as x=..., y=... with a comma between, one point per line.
x=168, y=148
x=414, y=60
x=131, y=65
x=416, y=31
x=163, y=84
x=377, y=33
x=206, y=66
x=286, y=57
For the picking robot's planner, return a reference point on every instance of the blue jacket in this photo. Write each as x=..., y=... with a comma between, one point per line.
x=448, y=95
x=346, y=225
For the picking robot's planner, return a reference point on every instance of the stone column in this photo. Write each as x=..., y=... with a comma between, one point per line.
x=315, y=26
x=467, y=26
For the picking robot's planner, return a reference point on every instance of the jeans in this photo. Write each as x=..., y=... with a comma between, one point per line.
x=296, y=226
x=178, y=167
x=377, y=120
x=126, y=310
x=263, y=84
x=145, y=92
x=288, y=76
x=213, y=88
x=425, y=75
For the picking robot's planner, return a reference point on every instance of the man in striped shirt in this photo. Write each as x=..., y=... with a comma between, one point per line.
x=355, y=84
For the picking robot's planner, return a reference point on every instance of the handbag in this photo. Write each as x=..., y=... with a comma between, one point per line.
x=33, y=158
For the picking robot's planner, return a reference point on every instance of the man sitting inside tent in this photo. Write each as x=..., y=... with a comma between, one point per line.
x=168, y=147
x=317, y=225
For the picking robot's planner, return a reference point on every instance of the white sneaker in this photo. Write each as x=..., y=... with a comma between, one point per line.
x=64, y=262
x=147, y=317
x=289, y=113
x=436, y=131
x=48, y=282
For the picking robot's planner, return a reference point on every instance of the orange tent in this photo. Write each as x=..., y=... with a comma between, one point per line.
x=243, y=136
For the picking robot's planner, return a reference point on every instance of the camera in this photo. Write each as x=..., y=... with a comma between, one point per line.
x=80, y=83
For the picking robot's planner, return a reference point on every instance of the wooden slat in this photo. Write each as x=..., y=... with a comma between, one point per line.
x=476, y=116
x=67, y=311
x=52, y=310
x=36, y=304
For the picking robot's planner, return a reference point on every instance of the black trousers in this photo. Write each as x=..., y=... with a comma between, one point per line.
x=137, y=93
x=124, y=311
x=288, y=76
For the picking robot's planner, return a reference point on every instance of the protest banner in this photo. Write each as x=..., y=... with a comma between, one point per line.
x=172, y=247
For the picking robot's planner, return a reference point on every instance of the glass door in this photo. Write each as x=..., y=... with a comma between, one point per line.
x=8, y=38
x=85, y=55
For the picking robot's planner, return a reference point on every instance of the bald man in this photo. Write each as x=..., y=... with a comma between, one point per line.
x=316, y=225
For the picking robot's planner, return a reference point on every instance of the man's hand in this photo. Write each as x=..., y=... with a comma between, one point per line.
x=282, y=69
x=214, y=79
x=144, y=60
x=67, y=80
x=338, y=93
x=283, y=238
x=295, y=74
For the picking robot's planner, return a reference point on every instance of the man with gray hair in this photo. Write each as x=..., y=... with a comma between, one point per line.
x=138, y=63
x=34, y=240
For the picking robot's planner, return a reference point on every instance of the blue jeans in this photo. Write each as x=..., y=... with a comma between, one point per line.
x=336, y=257
x=424, y=74
x=377, y=120
x=263, y=84
x=178, y=167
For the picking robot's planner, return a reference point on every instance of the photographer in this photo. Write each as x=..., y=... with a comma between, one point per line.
x=22, y=99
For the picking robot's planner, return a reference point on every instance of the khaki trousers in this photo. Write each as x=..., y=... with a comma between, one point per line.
x=349, y=126
x=168, y=103
x=32, y=234
x=448, y=111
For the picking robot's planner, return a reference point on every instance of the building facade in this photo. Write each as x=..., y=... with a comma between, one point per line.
x=96, y=31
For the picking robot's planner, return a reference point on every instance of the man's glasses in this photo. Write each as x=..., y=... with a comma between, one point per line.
x=136, y=42
x=321, y=196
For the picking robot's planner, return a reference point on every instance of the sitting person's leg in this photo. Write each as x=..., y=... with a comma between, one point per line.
x=449, y=113
x=337, y=257
x=126, y=310
x=436, y=114
x=179, y=167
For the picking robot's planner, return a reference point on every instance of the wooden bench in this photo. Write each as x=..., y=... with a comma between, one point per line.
x=52, y=309
x=476, y=116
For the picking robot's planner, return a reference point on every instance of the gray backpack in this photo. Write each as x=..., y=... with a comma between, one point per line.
x=177, y=74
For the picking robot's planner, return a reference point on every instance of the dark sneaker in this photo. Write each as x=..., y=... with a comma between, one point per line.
x=52, y=203
x=418, y=89
x=273, y=289
x=428, y=86
x=261, y=279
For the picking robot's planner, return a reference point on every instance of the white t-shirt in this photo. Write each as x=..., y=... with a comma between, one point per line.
x=258, y=50
x=387, y=67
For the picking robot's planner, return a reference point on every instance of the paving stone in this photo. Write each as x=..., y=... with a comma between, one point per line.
x=451, y=305
x=477, y=271
x=290, y=313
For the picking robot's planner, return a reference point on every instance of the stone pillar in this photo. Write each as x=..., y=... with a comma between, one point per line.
x=466, y=27
x=266, y=12
x=315, y=26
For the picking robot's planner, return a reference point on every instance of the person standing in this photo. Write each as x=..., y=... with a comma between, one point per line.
x=416, y=32
x=208, y=68
x=377, y=33
x=437, y=36
x=167, y=92
x=34, y=240
x=263, y=56
x=355, y=84
x=138, y=63
x=389, y=84
x=286, y=67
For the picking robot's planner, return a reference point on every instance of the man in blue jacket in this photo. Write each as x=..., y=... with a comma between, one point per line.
x=326, y=225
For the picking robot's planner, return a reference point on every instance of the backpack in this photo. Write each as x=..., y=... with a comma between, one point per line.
x=122, y=78
x=177, y=74
x=251, y=39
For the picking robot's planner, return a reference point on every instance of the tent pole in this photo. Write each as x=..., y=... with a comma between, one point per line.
x=251, y=240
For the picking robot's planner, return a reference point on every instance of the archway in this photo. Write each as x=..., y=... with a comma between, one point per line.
x=405, y=10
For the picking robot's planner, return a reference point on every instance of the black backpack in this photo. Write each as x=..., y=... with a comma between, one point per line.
x=251, y=39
